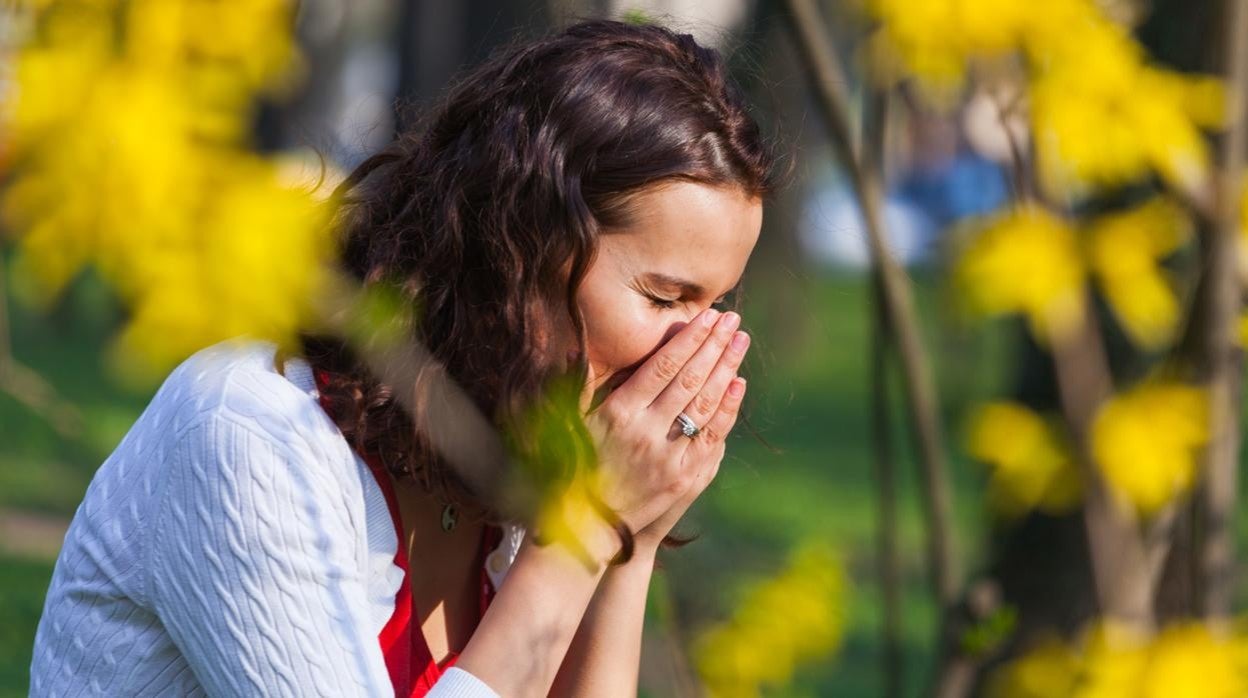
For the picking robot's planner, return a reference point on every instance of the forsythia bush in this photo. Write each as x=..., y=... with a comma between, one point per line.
x=126, y=137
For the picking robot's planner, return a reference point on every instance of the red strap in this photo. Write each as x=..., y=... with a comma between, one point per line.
x=413, y=671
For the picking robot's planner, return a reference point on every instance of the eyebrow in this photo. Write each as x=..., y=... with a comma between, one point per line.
x=685, y=285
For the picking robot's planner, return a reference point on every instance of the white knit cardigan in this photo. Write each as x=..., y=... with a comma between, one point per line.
x=232, y=545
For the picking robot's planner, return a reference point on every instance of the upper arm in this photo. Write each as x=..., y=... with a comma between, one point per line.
x=255, y=566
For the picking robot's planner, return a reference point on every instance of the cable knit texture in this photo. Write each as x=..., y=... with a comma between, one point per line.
x=232, y=545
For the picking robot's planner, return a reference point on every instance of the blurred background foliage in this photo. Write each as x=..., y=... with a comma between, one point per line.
x=1044, y=166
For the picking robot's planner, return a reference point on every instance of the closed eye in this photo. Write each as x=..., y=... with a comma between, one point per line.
x=667, y=304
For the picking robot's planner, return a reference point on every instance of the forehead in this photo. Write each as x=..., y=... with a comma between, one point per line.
x=683, y=229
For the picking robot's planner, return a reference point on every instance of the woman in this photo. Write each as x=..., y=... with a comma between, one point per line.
x=576, y=205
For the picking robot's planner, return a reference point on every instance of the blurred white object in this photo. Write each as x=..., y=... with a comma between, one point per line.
x=833, y=232
x=708, y=22
x=990, y=132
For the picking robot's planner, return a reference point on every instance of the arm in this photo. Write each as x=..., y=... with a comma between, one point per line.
x=526, y=634
x=528, y=628
x=605, y=656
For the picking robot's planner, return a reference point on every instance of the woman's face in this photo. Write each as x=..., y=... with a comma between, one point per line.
x=685, y=249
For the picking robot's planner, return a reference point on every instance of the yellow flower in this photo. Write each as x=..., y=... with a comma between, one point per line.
x=936, y=39
x=1031, y=464
x=1048, y=670
x=1102, y=117
x=1027, y=262
x=1111, y=660
x=781, y=623
x=1187, y=661
x=1123, y=252
x=1146, y=442
x=127, y=136
x=1114, y=657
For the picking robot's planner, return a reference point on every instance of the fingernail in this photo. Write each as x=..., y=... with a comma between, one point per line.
x=709, y=316
x=737, y=388
x=740, y=341
x=731, y=320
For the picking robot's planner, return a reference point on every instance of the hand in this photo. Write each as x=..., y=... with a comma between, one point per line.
x=650, y=472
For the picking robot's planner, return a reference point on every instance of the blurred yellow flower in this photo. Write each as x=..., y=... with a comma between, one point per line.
x=1112, y=660
x=781, y=623
x=126, y=133
x=935, y=39
x=1124, y=251
x=1031, y=464
x=1187, y=661
x=1114, y=655
x=1146, y=442
x=1027, y=261
x=1102, y=116
x=1048, y=670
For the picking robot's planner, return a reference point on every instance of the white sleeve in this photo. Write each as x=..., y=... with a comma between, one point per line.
x=254, y=567
x=457, y=683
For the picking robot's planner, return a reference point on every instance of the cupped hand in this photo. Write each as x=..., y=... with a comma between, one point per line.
x=649, y=471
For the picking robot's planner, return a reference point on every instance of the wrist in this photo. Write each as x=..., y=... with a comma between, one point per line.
x=646, y=548
x=579, y=532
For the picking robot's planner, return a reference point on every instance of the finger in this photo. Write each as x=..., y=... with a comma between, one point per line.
x=703, y=405
x=693, y=375
x=660, y=369
x=726, y=416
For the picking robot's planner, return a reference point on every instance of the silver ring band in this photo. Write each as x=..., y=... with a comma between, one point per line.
x=687, y=427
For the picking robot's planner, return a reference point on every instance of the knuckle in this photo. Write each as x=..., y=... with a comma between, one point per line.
x=665, y=367
x=684, y=481
x=612, y=414
x=691, y=380
x=703, y=404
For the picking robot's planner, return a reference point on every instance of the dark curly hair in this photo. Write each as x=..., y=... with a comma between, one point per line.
x=486, y=216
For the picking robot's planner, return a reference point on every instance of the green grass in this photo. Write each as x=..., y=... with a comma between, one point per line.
x=22, y=586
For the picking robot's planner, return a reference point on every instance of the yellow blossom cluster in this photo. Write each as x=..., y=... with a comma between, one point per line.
x=1147, y=442
x=1102, y=116
x=1026, y=261
x=1032, y=466
x=792, y=619
x=1111, y=660
x=1124, y=250
x=1032, y=262
x=126, y=136
x=1100, y=113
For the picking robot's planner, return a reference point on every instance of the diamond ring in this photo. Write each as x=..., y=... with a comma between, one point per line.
x=687, y=427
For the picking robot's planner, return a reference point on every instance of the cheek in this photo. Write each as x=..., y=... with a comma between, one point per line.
x=621, y=335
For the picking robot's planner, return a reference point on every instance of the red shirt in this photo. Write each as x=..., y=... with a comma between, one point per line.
x=412, y=668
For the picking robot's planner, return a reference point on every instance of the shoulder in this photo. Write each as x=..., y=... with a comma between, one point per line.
x=238, y=381
x=237, y=428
